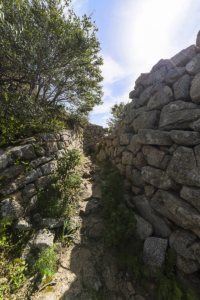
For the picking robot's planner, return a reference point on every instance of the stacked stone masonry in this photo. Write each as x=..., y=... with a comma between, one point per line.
x=19, y=184
x=92, y=135
x=156, y=148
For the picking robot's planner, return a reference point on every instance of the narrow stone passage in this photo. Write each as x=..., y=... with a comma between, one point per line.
x=88, y=269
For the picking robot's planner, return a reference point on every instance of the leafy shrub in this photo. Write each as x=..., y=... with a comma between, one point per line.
x=47, y=261
x=57, y=201
x=4, y=235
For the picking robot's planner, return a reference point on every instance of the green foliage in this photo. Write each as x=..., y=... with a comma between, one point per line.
x=117, y=111
x=4, y=235
x=167, y=287
x=47, y=261
x=15, y=274
x=49, y=57
x=57, y=200
x=19, y=161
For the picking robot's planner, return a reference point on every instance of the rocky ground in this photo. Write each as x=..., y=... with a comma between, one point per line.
x=88, y=269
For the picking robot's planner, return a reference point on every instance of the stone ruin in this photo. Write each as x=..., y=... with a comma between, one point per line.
x=156, y=147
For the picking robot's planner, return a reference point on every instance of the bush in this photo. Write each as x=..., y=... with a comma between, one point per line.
x=57, y=201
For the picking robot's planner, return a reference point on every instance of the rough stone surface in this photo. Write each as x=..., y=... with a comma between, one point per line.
x=133, y=114
x=176, y=209
x=127, y=158
x=49, y=168
x=24, y=152
x=135, y=146
x=11, y=208
x=33, y=202
x=160, y=228
x=24, y=224
x=144, y=228
x=139, y=161
x=195, y=89
x=135, y=93
x=178, y=115
x=5, y=158
x=195, y=125
x=52, y=222
x=29, y=190
x=101, y=155
x=42, y=182
x=145, y=96
x=12, y=172
x=197, y=154
x=193, y=67
x=154, y=137
x=182, y=88
x=146, y=120
x=118, y=151
x=183, y=57
x=125, y=139
x=39, y=161
x=158, y=178
x=191, y=195
x=122, y=169
x=185, y=138
x=149, y=190
x=37, y=218
x=153, y=156
x=183, y=168
x=187, y=266
x=174, y=74
x=154, y=251
x=156, y=77
x=134, y=176
x=160, y=99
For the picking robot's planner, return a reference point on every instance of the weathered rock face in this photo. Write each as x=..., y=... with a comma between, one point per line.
x=161, y=161
x=154, y=252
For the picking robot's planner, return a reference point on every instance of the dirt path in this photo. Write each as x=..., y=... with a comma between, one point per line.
x=88, y=270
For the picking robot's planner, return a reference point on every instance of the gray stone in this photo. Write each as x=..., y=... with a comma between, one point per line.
x=137, y=191
x=33, y=204
x=135, y=146
x=109, y=142
x=181, y=240
x=29, y=190
x=174, y=74
x=160, y=99
x=193, y=67
x=149, y=190
x=116, y=142
x=24, y=224
x=24, y=152
x=46, y=137
x=127, y=185
x=191, y=195
x=85, y=194
x=198, y=39
x=134, y=113
x=178, y=115
x=145, y=96
x=42, y=182
x=173, y=148
x=195, y=89
x=146, y=120
x=52, y=222
x=39, y=172
x=134, y=103
x=153, y=156
x=21, y=181
x=11, y=208
x=49, y=168
x=157, y=87
x=187, y=266
x=182, y=88
x=122, y=169
x=154, y=252
x=125, y=138
x=37, y=218
x=165, y=162
x=158, y=178
x=176, y=209
x=61, y=145
x=197, y=154
x=12, y=172
x=185, y=138
x=118, y=151
x=136, y=92
x=183, y=57
x=90, y=276
x=160, y=64
x=51, y=147
x=154, y=137
x=196, y=250
x=111, y=135
x=139, y=161
x=60, y=153
x=39, y=161
x=5, y=158
x=158, y=76
x=96, y=228
x=127, y=158
x=183, y=168
x=160, y=228
x=195, y=125
x=125, y=129
x=134, y=176
x=101, y=155
x=144, y=228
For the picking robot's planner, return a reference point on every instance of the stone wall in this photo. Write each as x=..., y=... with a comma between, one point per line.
x=20, y=180
x=156, y=147
x=92, y=135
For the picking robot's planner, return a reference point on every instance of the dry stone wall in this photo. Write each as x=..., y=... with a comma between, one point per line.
x=20, y=182
x=92, y=135
x=156, y=147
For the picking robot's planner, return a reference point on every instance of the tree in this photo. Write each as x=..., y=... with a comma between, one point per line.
x=117, y=111
x=47, y=58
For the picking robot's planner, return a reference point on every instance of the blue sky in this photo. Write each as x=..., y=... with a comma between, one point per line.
x=134, y=35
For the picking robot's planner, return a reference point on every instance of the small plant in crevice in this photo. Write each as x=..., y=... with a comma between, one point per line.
x=19, y=161
x=120, y=224
x=58, y=199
